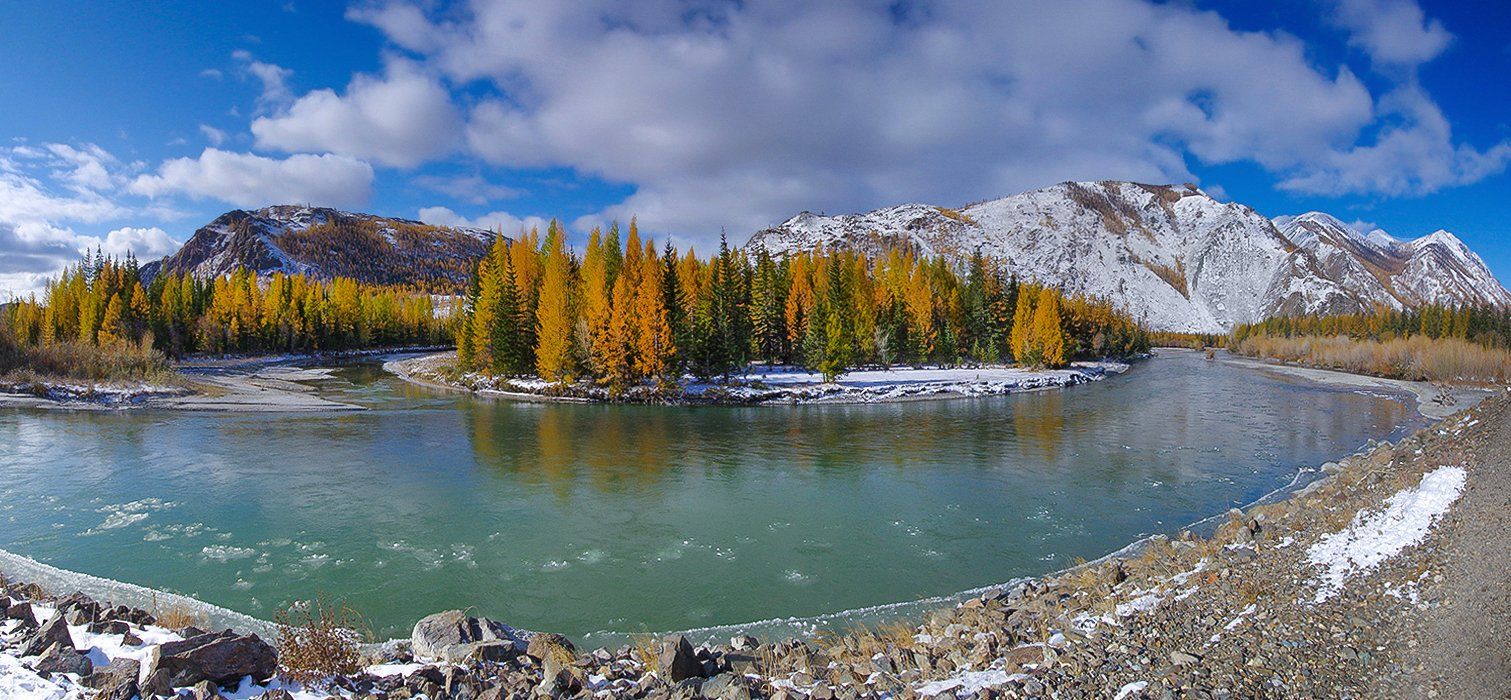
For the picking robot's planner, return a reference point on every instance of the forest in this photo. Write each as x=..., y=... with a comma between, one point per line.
x=627, y=313
x=102, y=302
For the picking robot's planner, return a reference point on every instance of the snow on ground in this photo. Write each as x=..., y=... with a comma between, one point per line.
x=1373, y=538
x=18, y=682
x=968, y=682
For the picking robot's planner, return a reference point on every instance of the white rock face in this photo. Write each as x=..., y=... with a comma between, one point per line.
x=1170, y=254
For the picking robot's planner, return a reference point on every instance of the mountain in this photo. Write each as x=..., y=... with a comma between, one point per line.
x=327, y=243
x=1171, y=254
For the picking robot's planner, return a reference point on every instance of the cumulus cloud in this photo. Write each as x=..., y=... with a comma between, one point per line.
x=1415, y=155
x=492, y=221
x=738, y=114
x=1392, y=32
x=402, y=118
x=248, y=180
x=743, y=114
x=147, y=243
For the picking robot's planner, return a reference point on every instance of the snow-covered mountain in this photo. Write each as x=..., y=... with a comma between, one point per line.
x=1171, y=254
x=326, y=243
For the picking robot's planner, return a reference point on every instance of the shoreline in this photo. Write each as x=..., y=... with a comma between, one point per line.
x=781, y=385
x=222, y=384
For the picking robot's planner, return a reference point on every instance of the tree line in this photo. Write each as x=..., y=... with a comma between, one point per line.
x=102, y=301
x=1483, y=325
x=627, y=312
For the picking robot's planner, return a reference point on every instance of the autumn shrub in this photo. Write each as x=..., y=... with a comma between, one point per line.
x=1417, y=358
x=318, y=640
x=177, y=616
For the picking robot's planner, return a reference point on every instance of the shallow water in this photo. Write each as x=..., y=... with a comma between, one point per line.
x=582, y=518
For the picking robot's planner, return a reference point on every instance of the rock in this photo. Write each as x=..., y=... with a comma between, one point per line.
x=63, y=658
x=544, y=644
x=22, y=612
x=491, y=651
x=54, y=632
x=205, y=690
x=131, y=640
x=433, y=634
x=1181, y=658
x=278, y=694
x=116, y=681
x=223, y=657
x=110, y=627
x=743, y=642
x=677, y=659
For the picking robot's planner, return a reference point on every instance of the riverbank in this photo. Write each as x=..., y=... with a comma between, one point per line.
x=1385, y=578
x=245, y=383
x=770, y=385
x=1431, y=399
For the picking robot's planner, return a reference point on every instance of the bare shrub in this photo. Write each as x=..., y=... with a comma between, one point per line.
x=1417, y=358
x=176, y=616
x=318, y=640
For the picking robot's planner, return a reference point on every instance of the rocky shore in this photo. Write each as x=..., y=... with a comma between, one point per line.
x=1384, y=578
x=769, y=385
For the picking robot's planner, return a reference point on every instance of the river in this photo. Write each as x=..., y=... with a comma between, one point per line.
x=589, y=518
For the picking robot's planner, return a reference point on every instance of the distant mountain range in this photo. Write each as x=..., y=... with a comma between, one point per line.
x=1171, y=254
x=327, y=243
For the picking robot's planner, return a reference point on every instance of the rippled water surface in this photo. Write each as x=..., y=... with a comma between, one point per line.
x=577, y=518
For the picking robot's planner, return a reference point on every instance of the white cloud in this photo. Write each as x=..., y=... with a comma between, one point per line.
x=146, y=243
x=739, y=115
x=1392, y=32
x=402, y=118
x=248, y=180
x=213, y=135
x=1415, y=155
x=492, y=221
x=473, y=189
x=274, y=79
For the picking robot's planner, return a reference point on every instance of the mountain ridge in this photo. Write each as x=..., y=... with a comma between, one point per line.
x=323, y=242
x=1170, y=253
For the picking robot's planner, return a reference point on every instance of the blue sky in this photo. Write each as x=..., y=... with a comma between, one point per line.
x=128, y=125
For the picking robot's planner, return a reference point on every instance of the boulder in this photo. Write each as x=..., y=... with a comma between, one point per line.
x=21, y=611
x=204, y=690
x=63, y=658
x=116, y=681
x=110, y=627
x=223, y=658
x=54, y=632
x=542, y=644
x=433, y=635
x=276, y=694
x=678, y=661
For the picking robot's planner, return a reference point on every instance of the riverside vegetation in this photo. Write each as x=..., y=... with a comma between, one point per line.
x=1431, y=343
x=99, y=322
x=624, y=315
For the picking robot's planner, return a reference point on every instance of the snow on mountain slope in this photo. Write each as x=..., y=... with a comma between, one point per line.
x=326, y=243
x=1171, y=254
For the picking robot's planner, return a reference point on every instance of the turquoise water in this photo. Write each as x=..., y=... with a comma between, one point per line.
x=583, y=518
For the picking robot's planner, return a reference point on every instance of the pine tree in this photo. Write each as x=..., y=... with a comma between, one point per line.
x=112, y=328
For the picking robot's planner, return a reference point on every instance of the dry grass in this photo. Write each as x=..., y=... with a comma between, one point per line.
x=76, y=361
x=176, y=616
x=957, y=215
x=1417, y=358
x=318, y=640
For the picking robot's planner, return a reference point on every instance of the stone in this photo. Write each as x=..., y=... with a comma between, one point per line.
x=204, y=690
x=725, y=686
x=131, y=640
x=55, y=631
x=110, y=627
x=276, y=694
x=491, y=651
x=433, y=634
x=21, y=611
x=63, y=658
x=743, y=642
x=542, y=643
x=223, y=657
x=1181, y=658
x=116, y=681
x=677, y=659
